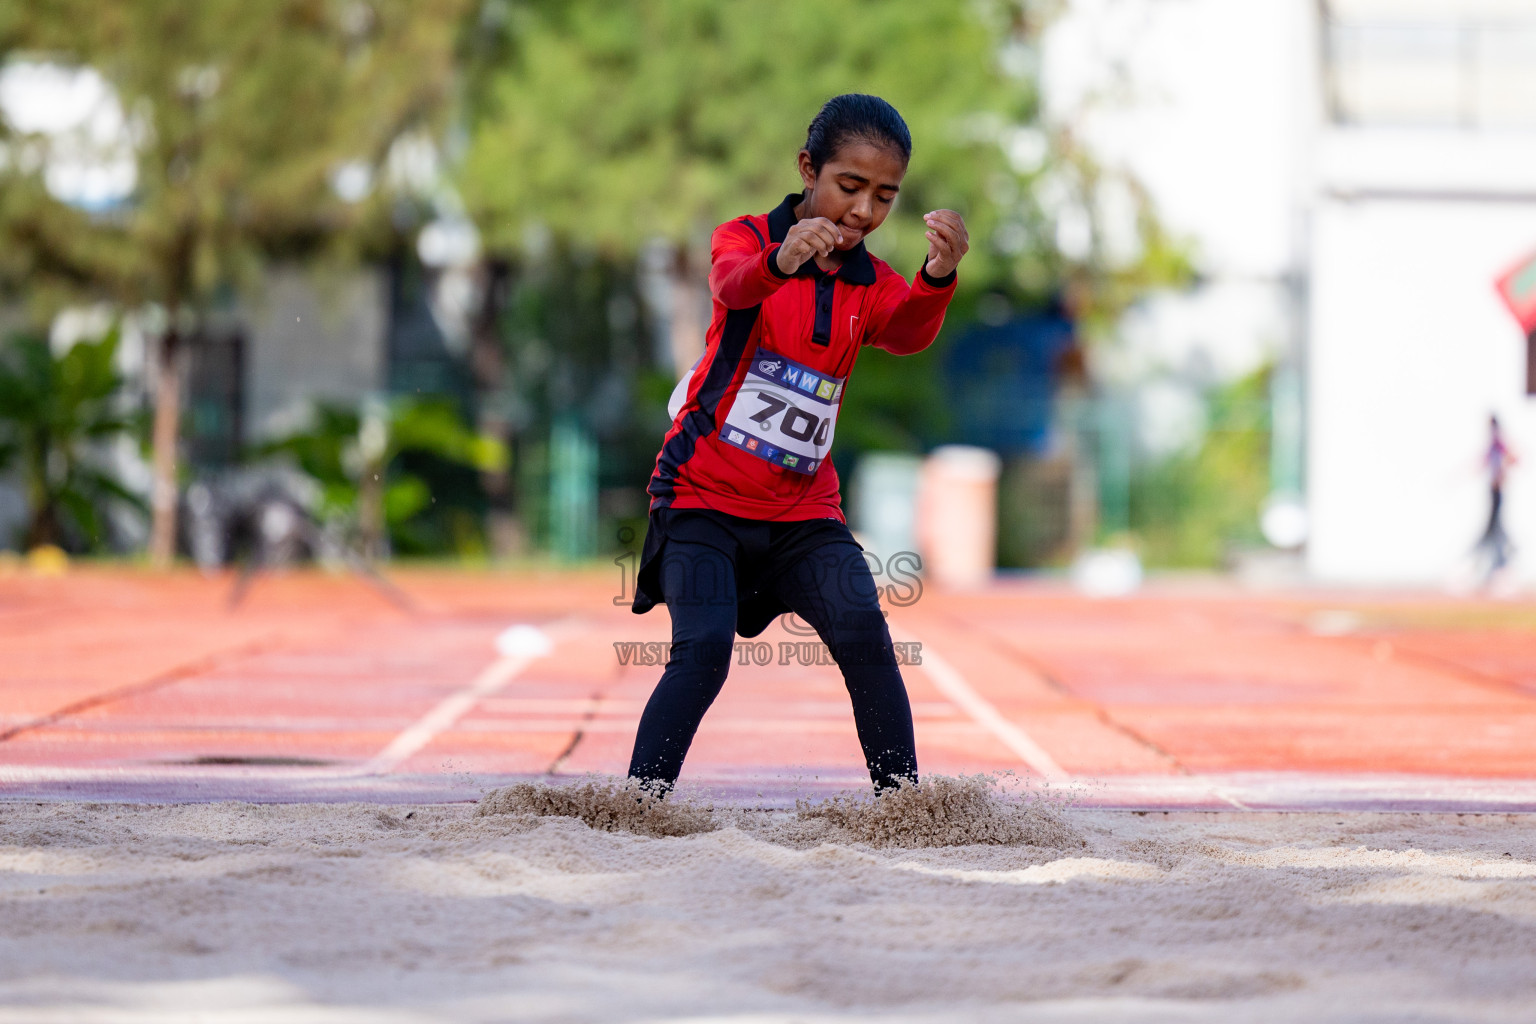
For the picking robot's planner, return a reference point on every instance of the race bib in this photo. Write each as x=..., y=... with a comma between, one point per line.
x=784, y=413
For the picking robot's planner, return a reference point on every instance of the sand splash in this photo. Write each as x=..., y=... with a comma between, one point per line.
x=606, y=804
x=968, y=810
x=944, y=810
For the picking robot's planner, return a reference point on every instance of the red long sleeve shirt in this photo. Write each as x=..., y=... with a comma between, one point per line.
x=753, y=436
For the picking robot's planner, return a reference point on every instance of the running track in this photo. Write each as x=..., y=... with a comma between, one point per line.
x=125, y=685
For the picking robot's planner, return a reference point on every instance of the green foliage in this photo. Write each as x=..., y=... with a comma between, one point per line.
x=435, y=427
x=1190, y=510
x=56, y=414
x=327, y=451
x=425, y=459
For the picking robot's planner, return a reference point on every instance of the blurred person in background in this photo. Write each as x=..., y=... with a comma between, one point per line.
x=1495, y=544
x=745, y=516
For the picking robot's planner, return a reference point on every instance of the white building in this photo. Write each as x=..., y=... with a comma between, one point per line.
x=1353, y=175
x=1424, y=191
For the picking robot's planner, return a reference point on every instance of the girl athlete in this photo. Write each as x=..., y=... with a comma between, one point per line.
x=745, y=517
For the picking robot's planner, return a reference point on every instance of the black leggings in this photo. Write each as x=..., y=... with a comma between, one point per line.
x=832, y=589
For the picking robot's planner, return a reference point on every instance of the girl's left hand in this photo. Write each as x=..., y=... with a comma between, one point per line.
x=948, y=241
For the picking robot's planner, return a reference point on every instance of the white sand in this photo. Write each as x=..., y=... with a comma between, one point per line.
x=239, y=912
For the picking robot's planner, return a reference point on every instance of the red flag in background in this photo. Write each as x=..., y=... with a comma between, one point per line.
x=1518, y=289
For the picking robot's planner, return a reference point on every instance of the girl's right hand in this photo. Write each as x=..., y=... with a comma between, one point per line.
x=815, y=236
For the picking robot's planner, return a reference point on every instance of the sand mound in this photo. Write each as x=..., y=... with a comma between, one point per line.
x=944, y=810
x=610, y=805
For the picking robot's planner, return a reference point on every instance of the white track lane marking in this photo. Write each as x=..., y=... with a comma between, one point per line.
x=455, y=706
x=954, y=686
x=959, y=692
x=1223, y=793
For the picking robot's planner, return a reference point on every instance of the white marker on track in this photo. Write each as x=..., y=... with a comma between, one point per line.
x=519, y=646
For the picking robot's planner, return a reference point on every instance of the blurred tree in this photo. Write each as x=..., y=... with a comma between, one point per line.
x=258, y=131
x=56, y=413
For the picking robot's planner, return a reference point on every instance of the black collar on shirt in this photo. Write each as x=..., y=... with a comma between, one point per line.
x=856, y=268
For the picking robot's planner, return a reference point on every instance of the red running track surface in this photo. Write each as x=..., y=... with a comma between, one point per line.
x=118, y=684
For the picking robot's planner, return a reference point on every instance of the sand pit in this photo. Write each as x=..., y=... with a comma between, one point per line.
x=329, y=913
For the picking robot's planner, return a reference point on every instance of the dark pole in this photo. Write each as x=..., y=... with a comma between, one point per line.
x=1530, y=363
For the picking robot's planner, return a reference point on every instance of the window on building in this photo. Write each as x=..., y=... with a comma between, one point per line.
x=1431, y=63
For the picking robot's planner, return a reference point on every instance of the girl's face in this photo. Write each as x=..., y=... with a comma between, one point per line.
x=855, y=189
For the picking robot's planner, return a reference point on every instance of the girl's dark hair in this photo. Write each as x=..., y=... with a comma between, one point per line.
x=855, y=117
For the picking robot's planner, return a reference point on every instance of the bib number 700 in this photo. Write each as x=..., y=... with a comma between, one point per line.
x=784, y=412
x=796, y=422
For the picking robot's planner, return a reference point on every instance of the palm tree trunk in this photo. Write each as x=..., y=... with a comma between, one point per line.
x=162, y=531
